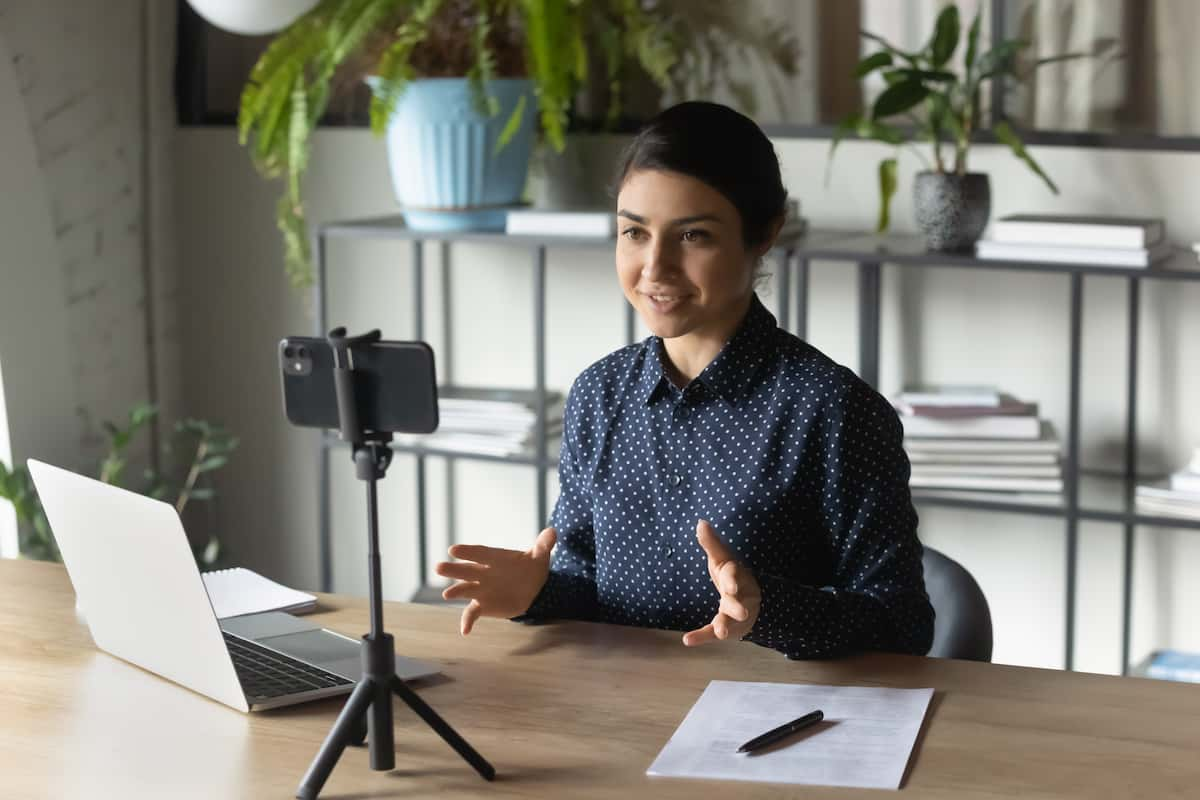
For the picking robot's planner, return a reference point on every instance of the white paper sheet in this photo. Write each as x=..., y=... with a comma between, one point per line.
x=865, y=740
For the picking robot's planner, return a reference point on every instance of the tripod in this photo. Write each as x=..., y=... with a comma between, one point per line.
x=373, y=692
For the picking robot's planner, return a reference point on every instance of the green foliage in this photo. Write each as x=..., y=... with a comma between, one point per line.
x=682, y=45
x=941, y=101
x=194, y=449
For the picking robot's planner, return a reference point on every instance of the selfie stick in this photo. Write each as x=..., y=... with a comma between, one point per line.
x=373, y=691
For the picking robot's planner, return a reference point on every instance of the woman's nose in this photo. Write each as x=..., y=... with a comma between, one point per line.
x=660, y=262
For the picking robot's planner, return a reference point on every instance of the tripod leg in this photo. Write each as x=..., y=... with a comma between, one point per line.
x=381, y=741
x=339, y=735
x=358, y=736
x=434, y=720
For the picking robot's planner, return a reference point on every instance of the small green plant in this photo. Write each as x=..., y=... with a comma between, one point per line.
x=940, y=103
x=194, y=449
x=677, y=43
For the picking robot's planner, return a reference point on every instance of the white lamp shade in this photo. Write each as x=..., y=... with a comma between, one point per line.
x=251, y=17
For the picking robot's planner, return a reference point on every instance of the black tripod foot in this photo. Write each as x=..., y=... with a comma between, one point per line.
x=451, y=737
x=353, y=714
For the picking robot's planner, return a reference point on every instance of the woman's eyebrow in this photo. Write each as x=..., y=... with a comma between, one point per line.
x=681, y=221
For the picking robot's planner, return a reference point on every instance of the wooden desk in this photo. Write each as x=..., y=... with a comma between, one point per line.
x=566, y=710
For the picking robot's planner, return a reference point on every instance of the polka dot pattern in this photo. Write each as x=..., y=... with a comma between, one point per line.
x=795, y=461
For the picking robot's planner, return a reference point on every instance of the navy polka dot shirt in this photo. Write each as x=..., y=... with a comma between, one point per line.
x=795, y=461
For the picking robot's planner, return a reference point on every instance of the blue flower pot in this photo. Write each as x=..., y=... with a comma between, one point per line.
x=445, y=169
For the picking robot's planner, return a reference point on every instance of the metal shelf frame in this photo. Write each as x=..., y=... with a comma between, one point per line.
x=869, y=253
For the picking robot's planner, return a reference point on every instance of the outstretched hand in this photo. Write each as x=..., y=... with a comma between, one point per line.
x=741, y=597
x=499, y=582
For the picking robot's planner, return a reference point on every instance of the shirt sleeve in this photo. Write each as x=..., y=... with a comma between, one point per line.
x=877, y=600
x=570, y=588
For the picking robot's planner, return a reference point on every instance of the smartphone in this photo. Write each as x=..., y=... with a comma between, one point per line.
x=396, y=385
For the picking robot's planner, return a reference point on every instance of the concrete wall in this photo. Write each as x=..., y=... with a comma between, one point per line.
x=81, y=270
x=939, y=325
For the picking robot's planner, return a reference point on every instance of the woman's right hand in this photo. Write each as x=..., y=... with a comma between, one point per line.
x=499, y=582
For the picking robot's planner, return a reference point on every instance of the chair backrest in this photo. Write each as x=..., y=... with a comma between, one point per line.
x=963, y=627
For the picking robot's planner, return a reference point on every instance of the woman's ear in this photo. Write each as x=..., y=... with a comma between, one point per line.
x=772, y=234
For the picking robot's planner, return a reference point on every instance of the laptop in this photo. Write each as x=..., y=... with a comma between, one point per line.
x=137, y=584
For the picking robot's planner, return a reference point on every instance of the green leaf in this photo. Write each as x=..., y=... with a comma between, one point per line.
x=1006, y=135
x=887, y=188
x=911, y=74
x=201, y=494
x=1000, y=59
x=873, y=62
x=899, y=97
x=211, y=463
x=945, y=36
x=972, y=45
x=844, y=128
x=512, y=125
x=911, y=58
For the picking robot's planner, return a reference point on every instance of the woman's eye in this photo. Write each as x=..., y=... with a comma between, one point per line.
x=695, y=235
x=631, y=233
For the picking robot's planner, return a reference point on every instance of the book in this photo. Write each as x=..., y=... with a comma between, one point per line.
x=538, y=222
x=1166, y=508
x=1047, y=499
x=1008, y=406
x=950, y=395
x=1048, y=443
x=1072, y=254
x=1186, y=481
x=238, y=591
x=992, y=427
x=1168, y=494
x=997, y=470
x=986, y=483
x=1173, y=665
x=1018, y=459
x=1067, y=229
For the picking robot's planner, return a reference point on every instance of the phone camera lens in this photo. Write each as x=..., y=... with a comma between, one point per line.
x=288, y=352
x=302, y=352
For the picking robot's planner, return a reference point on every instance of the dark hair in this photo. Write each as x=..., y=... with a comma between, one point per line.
x=724, y=149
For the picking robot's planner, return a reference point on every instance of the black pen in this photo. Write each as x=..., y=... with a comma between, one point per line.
x=787, y=729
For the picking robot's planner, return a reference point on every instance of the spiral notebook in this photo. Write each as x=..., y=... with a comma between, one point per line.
x=238, y=591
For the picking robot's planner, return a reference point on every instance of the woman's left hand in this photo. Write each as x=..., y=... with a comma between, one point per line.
x=741, y=597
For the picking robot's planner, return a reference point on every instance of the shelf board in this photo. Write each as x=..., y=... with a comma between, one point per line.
x=910, y=250
x=527, y=457
x=1102, y=498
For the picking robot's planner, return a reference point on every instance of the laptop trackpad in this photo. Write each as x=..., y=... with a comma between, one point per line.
x=338, y=654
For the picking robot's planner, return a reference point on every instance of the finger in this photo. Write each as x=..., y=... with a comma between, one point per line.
x=733, y=609
x=722, y=625
x=476, y=552
x=469, y=589
x=716, y=549
x=469, y=615
x=727, y=581
x=545, y=542
x=699, y=636
x=462, y=570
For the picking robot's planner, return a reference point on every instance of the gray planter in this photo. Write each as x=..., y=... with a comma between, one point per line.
x=952, y=210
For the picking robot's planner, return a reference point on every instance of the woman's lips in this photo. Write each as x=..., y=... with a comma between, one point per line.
x=665, y=303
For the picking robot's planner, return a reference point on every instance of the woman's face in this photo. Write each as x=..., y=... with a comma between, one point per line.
x=680, y=257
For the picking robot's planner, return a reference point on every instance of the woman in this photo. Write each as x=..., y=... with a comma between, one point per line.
x=722, y=477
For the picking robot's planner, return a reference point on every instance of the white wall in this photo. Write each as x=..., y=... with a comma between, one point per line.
x=1009, y=328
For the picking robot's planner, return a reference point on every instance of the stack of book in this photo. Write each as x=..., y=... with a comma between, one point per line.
x=1066, y=239
x=601, y=223
x=977, y=439
x=1179, y=495
x=493, y=422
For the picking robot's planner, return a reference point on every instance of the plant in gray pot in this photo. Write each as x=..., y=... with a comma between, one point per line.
x=938, y=97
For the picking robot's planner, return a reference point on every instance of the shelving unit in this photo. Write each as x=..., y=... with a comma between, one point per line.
x=1087, y=495
x=541, y=458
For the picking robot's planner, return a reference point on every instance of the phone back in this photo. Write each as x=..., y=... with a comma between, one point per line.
x=395, y=384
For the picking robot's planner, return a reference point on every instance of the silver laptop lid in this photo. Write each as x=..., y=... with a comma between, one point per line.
x=136, y=581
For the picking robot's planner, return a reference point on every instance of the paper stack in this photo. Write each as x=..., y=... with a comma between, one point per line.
x=1179, y=496
x=977, y=438
x=1068, y=239
x=493, y=422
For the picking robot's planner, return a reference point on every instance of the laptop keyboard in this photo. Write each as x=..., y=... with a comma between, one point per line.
x=265, y=673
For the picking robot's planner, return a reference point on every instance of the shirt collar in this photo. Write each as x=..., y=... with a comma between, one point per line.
x=730, y=373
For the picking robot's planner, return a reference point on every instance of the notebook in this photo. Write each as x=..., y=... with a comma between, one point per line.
x=239, y=591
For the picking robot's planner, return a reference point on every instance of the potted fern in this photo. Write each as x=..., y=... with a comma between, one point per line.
x=942, y=104
x=464, y=90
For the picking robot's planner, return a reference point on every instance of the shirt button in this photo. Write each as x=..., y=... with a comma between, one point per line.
x=670, y=552
x=676, y=480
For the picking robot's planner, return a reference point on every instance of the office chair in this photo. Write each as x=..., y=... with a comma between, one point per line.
x=963, y=627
